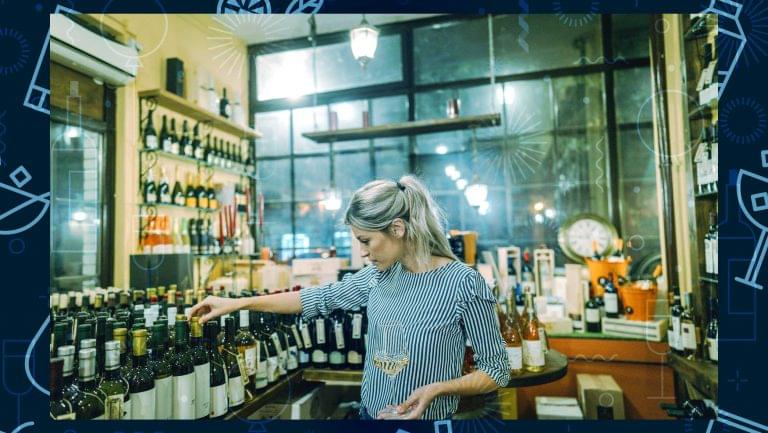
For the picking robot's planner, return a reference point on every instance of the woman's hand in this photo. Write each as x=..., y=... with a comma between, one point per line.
x=214, y=306
x=415, y=405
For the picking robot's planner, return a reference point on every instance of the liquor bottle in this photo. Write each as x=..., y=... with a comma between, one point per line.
x=676, y=311
x=202, y=370
x=161, y=370
x=89, y=401
x=292, y=342
x=610, y=298
x=592, y=313
x=190, y=196
x=186, y=141
x=150, y=188
x=337, y=358
x=513, y=341
x=527, y=281
x=150, y=135
x=141, y=379
x=164, y=189
x=713, y=330
x=210, y=151
x=305, y=351
x=114, y=386
x=175, y=146
x=225, y=109
x=197, y=145
x=165, y=136
x=356, y=345
x=60, y=406
x=213, y=203
x=248, y=349
x=261, y=351
x=202, y=194
x=688, y=327
x=533, y=352
x=234, y=365
x=183, y=369
x=217, y=394
x=710, y=246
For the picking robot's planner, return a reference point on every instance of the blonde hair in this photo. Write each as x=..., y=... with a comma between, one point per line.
x=376, y=204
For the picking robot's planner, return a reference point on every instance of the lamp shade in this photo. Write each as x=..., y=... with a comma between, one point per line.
x=364, y=39
x=476, y=193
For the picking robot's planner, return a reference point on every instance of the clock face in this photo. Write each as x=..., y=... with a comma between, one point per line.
x=583, y=232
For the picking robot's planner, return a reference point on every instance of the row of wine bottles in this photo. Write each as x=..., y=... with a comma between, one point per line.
x=198, y=194
x=684, y=333
x=227, y=234
x=172, y=376
x=213, y=151
x=523, y=334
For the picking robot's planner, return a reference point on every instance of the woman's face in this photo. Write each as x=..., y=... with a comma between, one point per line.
x=382, y=248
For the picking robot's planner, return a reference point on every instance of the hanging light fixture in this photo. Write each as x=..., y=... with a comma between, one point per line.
x=364, y=38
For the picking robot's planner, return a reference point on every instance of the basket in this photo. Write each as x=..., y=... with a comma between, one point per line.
x=639, y=300
x=606, y=268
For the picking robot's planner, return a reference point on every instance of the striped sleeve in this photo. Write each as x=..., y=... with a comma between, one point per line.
x=475, y=308
x=349, y=293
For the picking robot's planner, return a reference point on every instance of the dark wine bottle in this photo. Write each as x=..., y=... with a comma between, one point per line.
x=337, y=356
x=141, y=379
x=114, y=386
x=319, y=335
x=164, y=190
x=186, y=141
x=89, y=401
x=218, y=377
x=191, y=197
x=202, y=371
x=165, y=136
x=60, y=406
x=183, y=369
x=235, y=366
x=356, y=346
x=150, y=188
x=161, y=369
x=150, y=135
x=175, y=146
x=224, y=108
x=592, y=312
x=177, y=196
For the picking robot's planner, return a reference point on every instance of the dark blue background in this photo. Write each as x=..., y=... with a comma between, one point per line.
x=24, y=257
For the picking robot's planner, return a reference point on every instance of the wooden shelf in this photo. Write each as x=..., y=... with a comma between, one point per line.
x=406, y=128
x=701, y=374
x=190, y=109
x=193, y=161
x=175, y=206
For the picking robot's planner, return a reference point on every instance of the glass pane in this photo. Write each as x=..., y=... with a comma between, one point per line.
x=521, y=159
x=581, y=158
x=76, y=189
x=492, y=226
x=579, y=101
x=631, y=36
x=432, y=170
x=315, y=224
x=530, y=227
x=450, y=203
x=276, y=128
x=633, y=95
x=309, y=119
x=353, y=170
x=289, y=74
x=313, y=175
x=277, y=224
x=551, y=41
x=349, y=115
x=274, y=179
x=527, y=107
x=390, y=109
x=391, y=163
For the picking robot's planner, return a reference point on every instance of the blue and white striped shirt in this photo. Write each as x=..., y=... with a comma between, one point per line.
x=440, y=309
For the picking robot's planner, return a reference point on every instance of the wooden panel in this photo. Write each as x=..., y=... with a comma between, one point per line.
x=611, y=350
x=91, y=94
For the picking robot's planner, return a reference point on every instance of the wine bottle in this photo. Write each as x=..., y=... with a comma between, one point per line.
x=533, y=352
x=175, y=147
x=202, y=371
x=305, y=352
x=191, y=197
x=713, y=330
x=250, y=167
x=194, y=239
x=161, y=370
x=688, y=327
x=272, y=353
x=165, y=136
x=279, y=338
x=150, y=135
x=60, y=406
x=114, y=386
x=213, y=203
x=675, y=313
x=592, y=313
x=262, y=360
x=201, y=193
x=202, y=239
x=292, y=343
x=183, y=369
x=165, y=188
x=205, y=149
x=710, y=246
x=512, y=340
x=186, y=141
x=150, y=188
x=224, y=107
x=320, y=353
x=68, y=386
x=141, y=379
x=218, y=376
x=248, y=349
x=210, y=151
x=89, y=401
x=610, y=298
x=197, y=145
x=337, y=356
x=356, y=349
x=234, y=365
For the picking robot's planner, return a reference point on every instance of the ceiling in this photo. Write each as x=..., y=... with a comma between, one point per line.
x=260, y=28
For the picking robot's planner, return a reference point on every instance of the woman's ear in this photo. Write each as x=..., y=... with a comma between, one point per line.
x=397, y=228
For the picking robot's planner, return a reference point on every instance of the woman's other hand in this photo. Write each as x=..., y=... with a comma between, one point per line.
x=415, y=405
x=215, y=306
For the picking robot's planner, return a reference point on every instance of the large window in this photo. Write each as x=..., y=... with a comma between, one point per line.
x=554, y=155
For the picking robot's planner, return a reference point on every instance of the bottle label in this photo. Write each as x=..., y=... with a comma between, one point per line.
x=515, y=358
x=66, y=416
x=296, y=336
x=151, y=197
x=306, y=339
x=167, y=144
x=199, y=152
x=242, y=366
x=202, y=393
x=276, y=341
x=165, y=197
x=184, y=396
x=689, y=336
x=218, y=400
x=611, y=303
x=179, y=201
x=678, y=333
x=282, y=361
x=114, y=407
x=261, y=374
x=357, y=325
x=339, y=331
x=671, y=339
x=354, y=358
x=151, y=141
x=320, y=331
x=319, y=356
x=164, y=395
x=593, y=315
x=303, y=357
x=235, y=391
x=143, y=404
x=713, y=243
x=712, y=348
x=336, y=357
x=292, y=362
x=272, y=369
x=708, y=256
x=533, y=353
x=250, y=360
x=175, y=147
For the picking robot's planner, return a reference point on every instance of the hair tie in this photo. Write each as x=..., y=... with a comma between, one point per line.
x=399, y=185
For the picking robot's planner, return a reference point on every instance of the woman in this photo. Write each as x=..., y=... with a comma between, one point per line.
x=417, y=281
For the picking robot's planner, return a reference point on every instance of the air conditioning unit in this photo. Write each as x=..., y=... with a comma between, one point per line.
x=79, y=48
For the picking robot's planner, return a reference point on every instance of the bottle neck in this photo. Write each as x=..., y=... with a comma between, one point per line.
x=113, y=374
x=140, y=360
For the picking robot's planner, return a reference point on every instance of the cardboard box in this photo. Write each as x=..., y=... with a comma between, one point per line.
x=558, y=408
x=600, y=396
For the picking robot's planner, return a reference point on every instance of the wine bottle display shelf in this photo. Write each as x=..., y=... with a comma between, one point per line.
x=192, y=161
x=175, y=206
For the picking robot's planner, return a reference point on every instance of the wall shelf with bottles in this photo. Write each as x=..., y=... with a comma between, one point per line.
x=192, y=110
x=700, y=374
x=176, y=207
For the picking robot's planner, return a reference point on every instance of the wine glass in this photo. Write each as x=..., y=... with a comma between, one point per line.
x=390, y=354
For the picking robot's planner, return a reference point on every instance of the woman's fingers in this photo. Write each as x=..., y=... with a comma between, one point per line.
x=197, y=307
